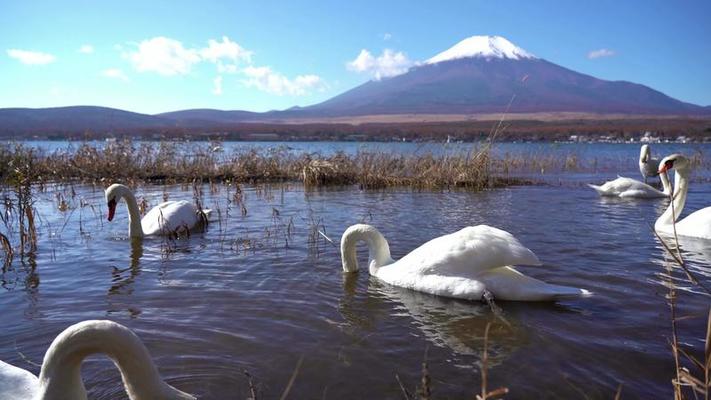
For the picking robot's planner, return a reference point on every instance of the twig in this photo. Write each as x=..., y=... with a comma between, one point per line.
x=292, y=379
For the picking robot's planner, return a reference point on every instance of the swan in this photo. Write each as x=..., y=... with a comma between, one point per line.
x=163, y=219
x=632, y=188
x=468, y=264
x=696, y=224
x=648, y=166
x=60, y=375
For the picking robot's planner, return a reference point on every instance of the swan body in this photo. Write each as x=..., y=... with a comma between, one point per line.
x=60, y=376
x=696, y=224
x=648, y=166
x=465, y=264
x=163, y=219
x=632, y=188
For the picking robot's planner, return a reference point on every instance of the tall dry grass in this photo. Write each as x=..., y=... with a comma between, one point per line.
x=169, y=162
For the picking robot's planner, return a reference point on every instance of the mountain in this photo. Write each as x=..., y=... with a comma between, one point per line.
x=77, y=119
x=203, y=116
x=481, y=74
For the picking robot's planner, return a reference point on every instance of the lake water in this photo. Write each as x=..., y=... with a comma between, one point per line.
x=260, y=290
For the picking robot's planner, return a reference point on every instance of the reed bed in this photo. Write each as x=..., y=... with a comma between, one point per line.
x=170, y=162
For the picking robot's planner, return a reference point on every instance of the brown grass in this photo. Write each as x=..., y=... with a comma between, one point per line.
x=170, y=162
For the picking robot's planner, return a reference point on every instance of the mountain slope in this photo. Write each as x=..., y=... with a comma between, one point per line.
x=75, y=119
x=482, y=74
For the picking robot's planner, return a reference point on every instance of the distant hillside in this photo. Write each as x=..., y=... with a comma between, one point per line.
x=76, y=119
x=208, y=116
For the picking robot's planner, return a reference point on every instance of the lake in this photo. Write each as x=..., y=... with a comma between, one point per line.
x=261, y=289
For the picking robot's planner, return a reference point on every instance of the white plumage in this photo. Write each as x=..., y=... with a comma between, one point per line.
x=164, y=219
x=462, y=265
x=648, y=166
x=60, y=376
x=632, y=188
x=696, y=224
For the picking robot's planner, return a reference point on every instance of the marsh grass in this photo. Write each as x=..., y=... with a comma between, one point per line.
x=692, y=374
x=170, y=162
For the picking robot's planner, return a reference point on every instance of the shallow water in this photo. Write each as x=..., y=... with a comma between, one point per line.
x=260, y=291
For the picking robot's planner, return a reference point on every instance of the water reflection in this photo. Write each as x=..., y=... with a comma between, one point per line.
x=122, y=281
x=449, y=323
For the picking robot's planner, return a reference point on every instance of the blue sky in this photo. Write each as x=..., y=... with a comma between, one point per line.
x=156, y=56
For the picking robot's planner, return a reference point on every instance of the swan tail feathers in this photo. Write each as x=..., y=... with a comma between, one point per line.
x=598, y=189
x=507, y=283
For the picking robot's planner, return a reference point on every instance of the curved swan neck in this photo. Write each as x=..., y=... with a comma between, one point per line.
x=666, y=185
x=135, y=230
x=61, y=369
x=644, y=154
x=378, y=249
x=681, y=188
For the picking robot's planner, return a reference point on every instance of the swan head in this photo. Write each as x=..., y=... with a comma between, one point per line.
x=114, y=193
x=673, y=161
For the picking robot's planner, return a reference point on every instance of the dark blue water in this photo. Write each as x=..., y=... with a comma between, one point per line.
x=262, y=290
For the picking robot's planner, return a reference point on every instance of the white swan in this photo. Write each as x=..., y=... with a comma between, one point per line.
x=631, y=188
x=163, y=219
x=60, y=376
x=696, y=224
x=648, y=166
x=465, y=265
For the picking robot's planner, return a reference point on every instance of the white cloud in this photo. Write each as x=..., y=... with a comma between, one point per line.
x=267, y=80
x=31, y=57
x=389, y=63
x=387, y=36
x=86, y=49
x=163, y=55
x=600, y=53
x=226, y=49
x=115, y=73
x=226, y=68
x=217, y=90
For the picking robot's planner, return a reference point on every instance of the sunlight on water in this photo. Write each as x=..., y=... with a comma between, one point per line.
x=261, y=288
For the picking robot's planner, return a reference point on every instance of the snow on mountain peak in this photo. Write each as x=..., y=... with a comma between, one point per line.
x=482, y=46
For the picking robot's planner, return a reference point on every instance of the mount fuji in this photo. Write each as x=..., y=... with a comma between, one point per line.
x=481, y=74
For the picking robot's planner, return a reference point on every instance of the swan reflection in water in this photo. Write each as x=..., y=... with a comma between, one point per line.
x=458, y=325
x=122, y=281
x=696, y=254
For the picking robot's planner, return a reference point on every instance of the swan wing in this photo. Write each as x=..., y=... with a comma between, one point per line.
x=169, y=216
x=17, y=383
x=466, y=253
x=696, y=224
x=627, y=188
x=506, y=283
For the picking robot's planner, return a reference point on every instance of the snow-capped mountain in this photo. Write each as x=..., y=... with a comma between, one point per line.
x=481, y=74
x=481, y=46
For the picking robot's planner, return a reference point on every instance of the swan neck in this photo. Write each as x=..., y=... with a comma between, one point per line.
x=666, y=185
x=61, y=369
x=378, y=248
x=676, y=206
x=135, y=230
x=644, y=154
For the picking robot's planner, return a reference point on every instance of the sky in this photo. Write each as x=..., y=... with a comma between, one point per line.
x=158, y=56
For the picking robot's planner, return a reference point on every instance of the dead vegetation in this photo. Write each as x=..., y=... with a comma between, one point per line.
x=171, y=162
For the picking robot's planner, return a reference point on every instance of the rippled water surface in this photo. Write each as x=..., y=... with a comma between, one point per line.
x=261, y=290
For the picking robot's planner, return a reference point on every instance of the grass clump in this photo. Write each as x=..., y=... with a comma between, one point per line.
x=172, y=162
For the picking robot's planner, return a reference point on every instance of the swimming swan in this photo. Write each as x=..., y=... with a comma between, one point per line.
x=465, y=265
x=648, y=166
x=631, y=188
x=60, y=376
x=696, y=224
x=163, y=219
